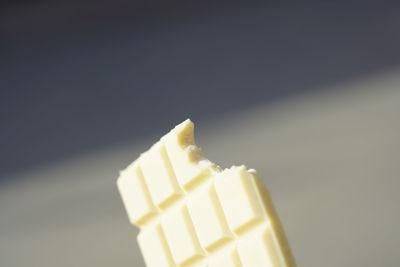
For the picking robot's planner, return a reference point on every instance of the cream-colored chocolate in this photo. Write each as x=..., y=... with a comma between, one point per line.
x=192, y=213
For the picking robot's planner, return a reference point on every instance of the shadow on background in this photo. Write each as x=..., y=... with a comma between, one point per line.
x=80, y=76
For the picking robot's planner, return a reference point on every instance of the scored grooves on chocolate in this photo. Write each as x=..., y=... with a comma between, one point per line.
x=192, y=213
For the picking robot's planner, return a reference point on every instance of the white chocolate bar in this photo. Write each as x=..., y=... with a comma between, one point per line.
x=191, y=213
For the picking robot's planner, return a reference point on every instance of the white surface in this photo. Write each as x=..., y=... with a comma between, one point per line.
x=135, y=196
x=331, y=162
x=237, y=194
x=154, y=248
x=259, y=251
x=207, y=218
x=162, y=185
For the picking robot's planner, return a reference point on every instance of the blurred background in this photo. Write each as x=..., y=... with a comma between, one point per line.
x=306, y=92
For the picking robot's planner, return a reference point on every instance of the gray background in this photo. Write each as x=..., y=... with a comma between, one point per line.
x=307, y=93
